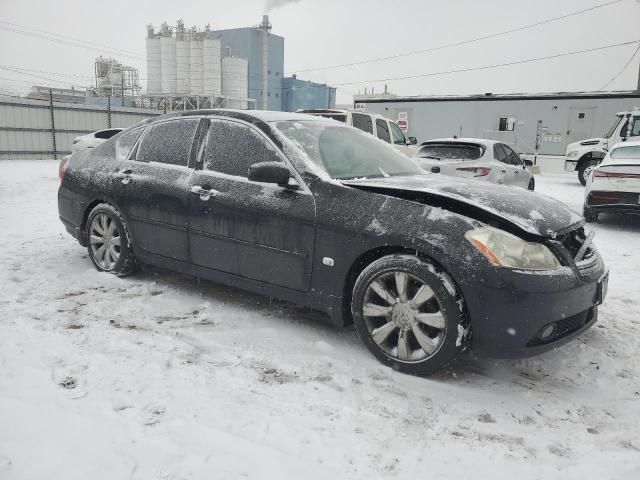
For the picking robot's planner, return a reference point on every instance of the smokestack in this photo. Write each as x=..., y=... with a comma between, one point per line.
x=265, y=28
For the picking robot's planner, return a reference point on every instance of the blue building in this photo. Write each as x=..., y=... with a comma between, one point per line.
x=247, y=43
x=297, y=94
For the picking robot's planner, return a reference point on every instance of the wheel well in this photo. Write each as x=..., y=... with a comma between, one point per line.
x=362, y=262
x=85, y=217
x=588, y=158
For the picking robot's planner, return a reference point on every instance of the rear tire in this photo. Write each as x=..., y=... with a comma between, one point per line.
x=409, y=314
x=108, y=242
x=589, y=215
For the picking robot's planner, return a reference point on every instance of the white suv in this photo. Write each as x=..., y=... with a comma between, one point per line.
x=383, y=128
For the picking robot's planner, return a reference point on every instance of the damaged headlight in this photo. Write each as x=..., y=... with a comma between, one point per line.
x=503, y=249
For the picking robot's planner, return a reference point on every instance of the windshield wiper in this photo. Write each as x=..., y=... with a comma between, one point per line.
x=428, y=156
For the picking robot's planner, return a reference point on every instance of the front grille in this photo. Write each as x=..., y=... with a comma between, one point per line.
x=564, y=327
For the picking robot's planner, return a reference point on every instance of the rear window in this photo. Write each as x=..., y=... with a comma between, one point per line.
x=106, y=134
x=631, y=152
x=363, y=122
x=335, y=116
x=445, y=151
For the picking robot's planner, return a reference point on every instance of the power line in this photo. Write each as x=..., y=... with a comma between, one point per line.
x=626, y=65
x=487, y=67
x=10, y=69
x=463, y=42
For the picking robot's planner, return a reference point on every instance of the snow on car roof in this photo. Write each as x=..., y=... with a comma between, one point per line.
x=480, y=141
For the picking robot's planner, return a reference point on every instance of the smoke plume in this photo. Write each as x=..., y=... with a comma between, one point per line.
x=273, y=4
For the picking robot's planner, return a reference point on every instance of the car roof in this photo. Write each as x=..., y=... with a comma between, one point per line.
x=479, y=141
x=249, y=115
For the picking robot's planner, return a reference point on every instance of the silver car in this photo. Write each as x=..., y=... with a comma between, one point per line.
x=481, y=159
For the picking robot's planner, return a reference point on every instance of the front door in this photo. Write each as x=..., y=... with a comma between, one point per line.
x=153, y=188
x=255, y=230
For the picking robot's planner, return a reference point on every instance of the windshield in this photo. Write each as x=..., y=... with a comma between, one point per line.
x=613, y=127
x=452, y=151
x=345, y=152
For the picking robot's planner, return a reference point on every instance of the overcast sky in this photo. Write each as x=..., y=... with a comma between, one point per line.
x=329, y=32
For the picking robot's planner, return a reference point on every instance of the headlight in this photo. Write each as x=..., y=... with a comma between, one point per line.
x=505, y=250
x=572, y=154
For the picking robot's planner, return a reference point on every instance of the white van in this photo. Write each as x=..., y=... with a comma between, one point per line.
x=377, y=125
x=584, y=156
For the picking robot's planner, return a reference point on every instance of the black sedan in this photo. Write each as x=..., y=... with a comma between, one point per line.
x=318, y=213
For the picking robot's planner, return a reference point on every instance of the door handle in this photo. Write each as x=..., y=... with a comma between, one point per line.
x=204, y=193
x=504, y=170
x=125, y=176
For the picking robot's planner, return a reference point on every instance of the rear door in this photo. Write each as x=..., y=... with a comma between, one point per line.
x=153, y=187
x=503, y=172
x=256, y=230
x=382, y=130
x=516, y=170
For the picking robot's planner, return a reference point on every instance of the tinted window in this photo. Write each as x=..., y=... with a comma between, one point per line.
x=512, y=157
x=233, y=147
x=499, y=153
x=362, y=122
x=452, y=151
x=168, y=142
x=398, y=136
x=383, y=130
x=125, y=143
x=635, y=130
x=106, y=134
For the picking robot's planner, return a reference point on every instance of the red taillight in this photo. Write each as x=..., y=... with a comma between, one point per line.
x=477, y=171
x=62, y=169
x=610, y=174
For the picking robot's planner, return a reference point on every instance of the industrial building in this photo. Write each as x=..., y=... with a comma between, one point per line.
x=234, y=68
x=551, y=120
x=302, y=94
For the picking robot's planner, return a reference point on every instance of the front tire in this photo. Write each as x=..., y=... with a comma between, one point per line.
x=532, y=185
x=584, y=171
x=107, y=241
x=409, y=314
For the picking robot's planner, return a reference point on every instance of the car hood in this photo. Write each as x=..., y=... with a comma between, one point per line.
x=589, y=142
x=521, y=209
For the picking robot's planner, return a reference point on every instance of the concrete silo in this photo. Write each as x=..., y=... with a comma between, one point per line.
x=154, y=82
x=195, y=61
x=183, y=70
x=212, y=68
x=235, y=81
x=168, y=61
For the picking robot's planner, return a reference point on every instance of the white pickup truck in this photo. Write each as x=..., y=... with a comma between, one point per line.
x=383, y=128
x=584, y=156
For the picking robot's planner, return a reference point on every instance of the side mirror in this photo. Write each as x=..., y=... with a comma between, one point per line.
x=413, y=141
x=527, y=163
x=270, y=172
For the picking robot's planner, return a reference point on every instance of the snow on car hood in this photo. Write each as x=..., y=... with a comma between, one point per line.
x=528, y=211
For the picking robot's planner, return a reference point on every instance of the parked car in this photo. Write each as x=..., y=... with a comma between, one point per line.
x=584, y=156
x=487, y=160
x=318, y=213
x=94, y=139
x=614, y=185
x=383, y=128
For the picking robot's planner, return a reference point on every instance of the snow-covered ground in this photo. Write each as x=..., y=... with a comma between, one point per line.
x=159, y=376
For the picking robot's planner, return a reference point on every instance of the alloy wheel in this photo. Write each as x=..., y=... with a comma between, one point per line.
x=404, y=317
x=105, y=241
